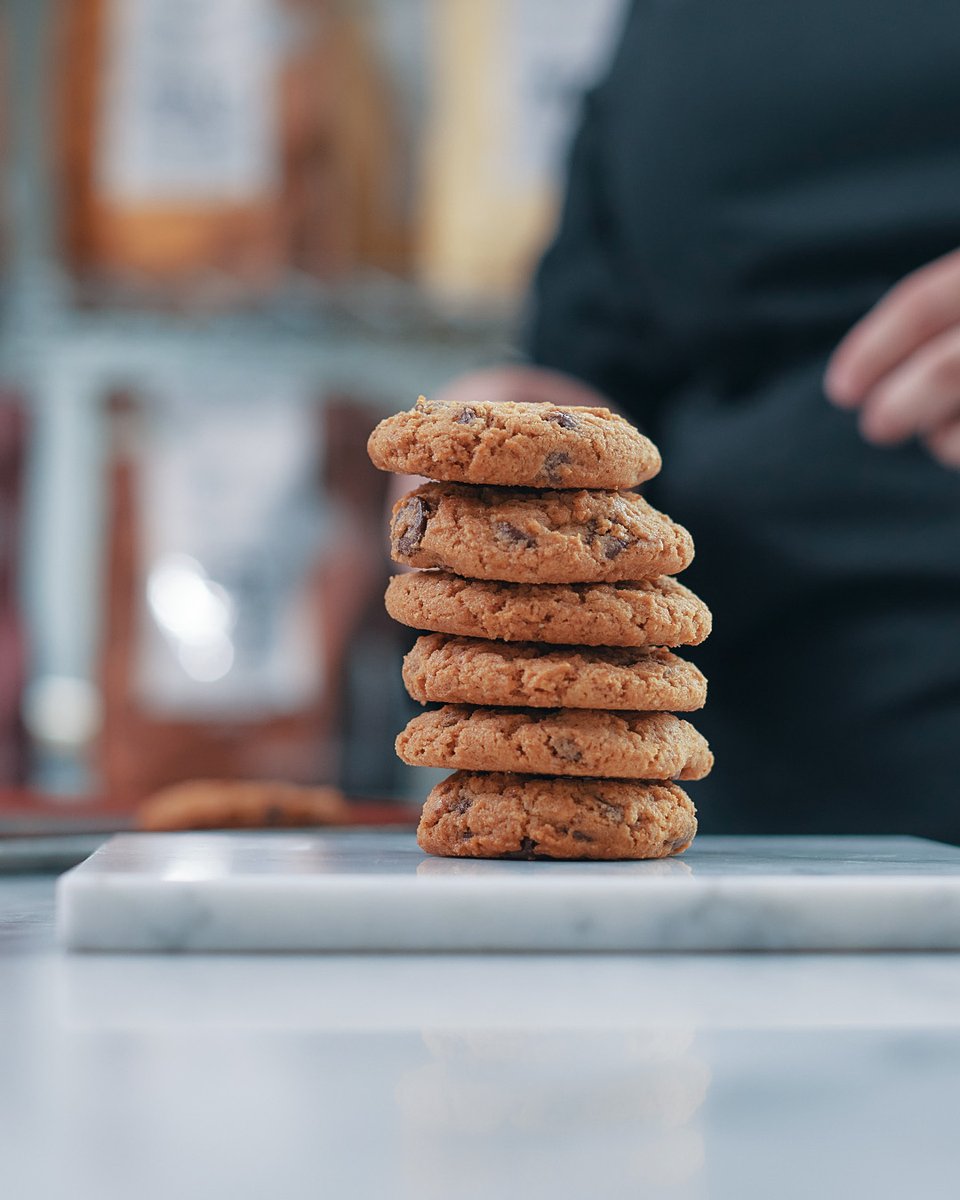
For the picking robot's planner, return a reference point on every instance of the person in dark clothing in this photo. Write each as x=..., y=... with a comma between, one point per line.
x=749, y=181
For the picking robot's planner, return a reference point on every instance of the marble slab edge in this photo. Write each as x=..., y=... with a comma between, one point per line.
x=539, y=914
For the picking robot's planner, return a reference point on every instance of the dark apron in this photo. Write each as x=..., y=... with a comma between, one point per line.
x=748, y=181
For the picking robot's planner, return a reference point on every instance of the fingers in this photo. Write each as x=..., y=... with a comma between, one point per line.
x=399, y=485
x=916, y=397
x=944, y=444
x=900, y=365
x=917, y=309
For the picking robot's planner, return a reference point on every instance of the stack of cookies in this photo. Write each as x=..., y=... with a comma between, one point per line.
x=548, y=589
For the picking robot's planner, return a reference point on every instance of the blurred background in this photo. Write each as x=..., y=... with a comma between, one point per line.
x=235, y=233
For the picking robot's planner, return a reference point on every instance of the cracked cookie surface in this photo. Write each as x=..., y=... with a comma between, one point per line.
x=564, y=741
x=515, y=816
x=523, y=536
x=515, y=445
x=647, y=612
x=461, y=670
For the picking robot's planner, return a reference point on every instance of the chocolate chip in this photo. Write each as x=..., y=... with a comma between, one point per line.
x=465, y=835
x=528, y=849
x=581, y=837
x=410, y=524
x=273, y=814
x=612, y=546
x=552, y=464
x=564, y=420
x=513, y=536
x=566, y=748
x=466, y=417
x=461, y=804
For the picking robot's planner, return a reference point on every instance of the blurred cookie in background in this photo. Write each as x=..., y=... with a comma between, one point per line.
x=241, y=804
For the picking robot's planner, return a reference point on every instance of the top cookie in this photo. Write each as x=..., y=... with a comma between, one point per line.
x=514, y=445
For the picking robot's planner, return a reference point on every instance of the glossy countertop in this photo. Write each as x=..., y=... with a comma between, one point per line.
x=436, y=1075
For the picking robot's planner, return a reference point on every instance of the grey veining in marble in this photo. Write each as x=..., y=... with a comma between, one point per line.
x=361, y=891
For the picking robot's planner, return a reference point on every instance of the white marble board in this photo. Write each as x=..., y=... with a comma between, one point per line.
x=348, y=891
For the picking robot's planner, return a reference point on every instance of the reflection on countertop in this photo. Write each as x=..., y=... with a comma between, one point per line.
x=688, y=1076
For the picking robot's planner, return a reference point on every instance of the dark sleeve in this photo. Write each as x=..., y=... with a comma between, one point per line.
x=589, y=314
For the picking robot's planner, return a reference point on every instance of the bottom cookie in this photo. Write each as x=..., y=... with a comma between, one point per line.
x=496, y=815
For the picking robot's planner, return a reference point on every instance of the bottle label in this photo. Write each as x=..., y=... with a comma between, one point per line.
x=189, y=102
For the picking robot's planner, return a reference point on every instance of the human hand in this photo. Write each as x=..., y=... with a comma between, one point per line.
x=900, y=365
x=532, y=385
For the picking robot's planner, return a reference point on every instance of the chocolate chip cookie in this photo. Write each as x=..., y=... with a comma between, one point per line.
x=647, y=612
x=460, y=670
x=524, y=536
x=516, y=445
x=241, y=804
x=564, y=741
x=525, y=816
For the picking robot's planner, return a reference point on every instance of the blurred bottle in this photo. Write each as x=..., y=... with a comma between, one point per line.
x=5, y=84
x=212, y=662
x=240, y=566
x=210, y=146
x=13, y=650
